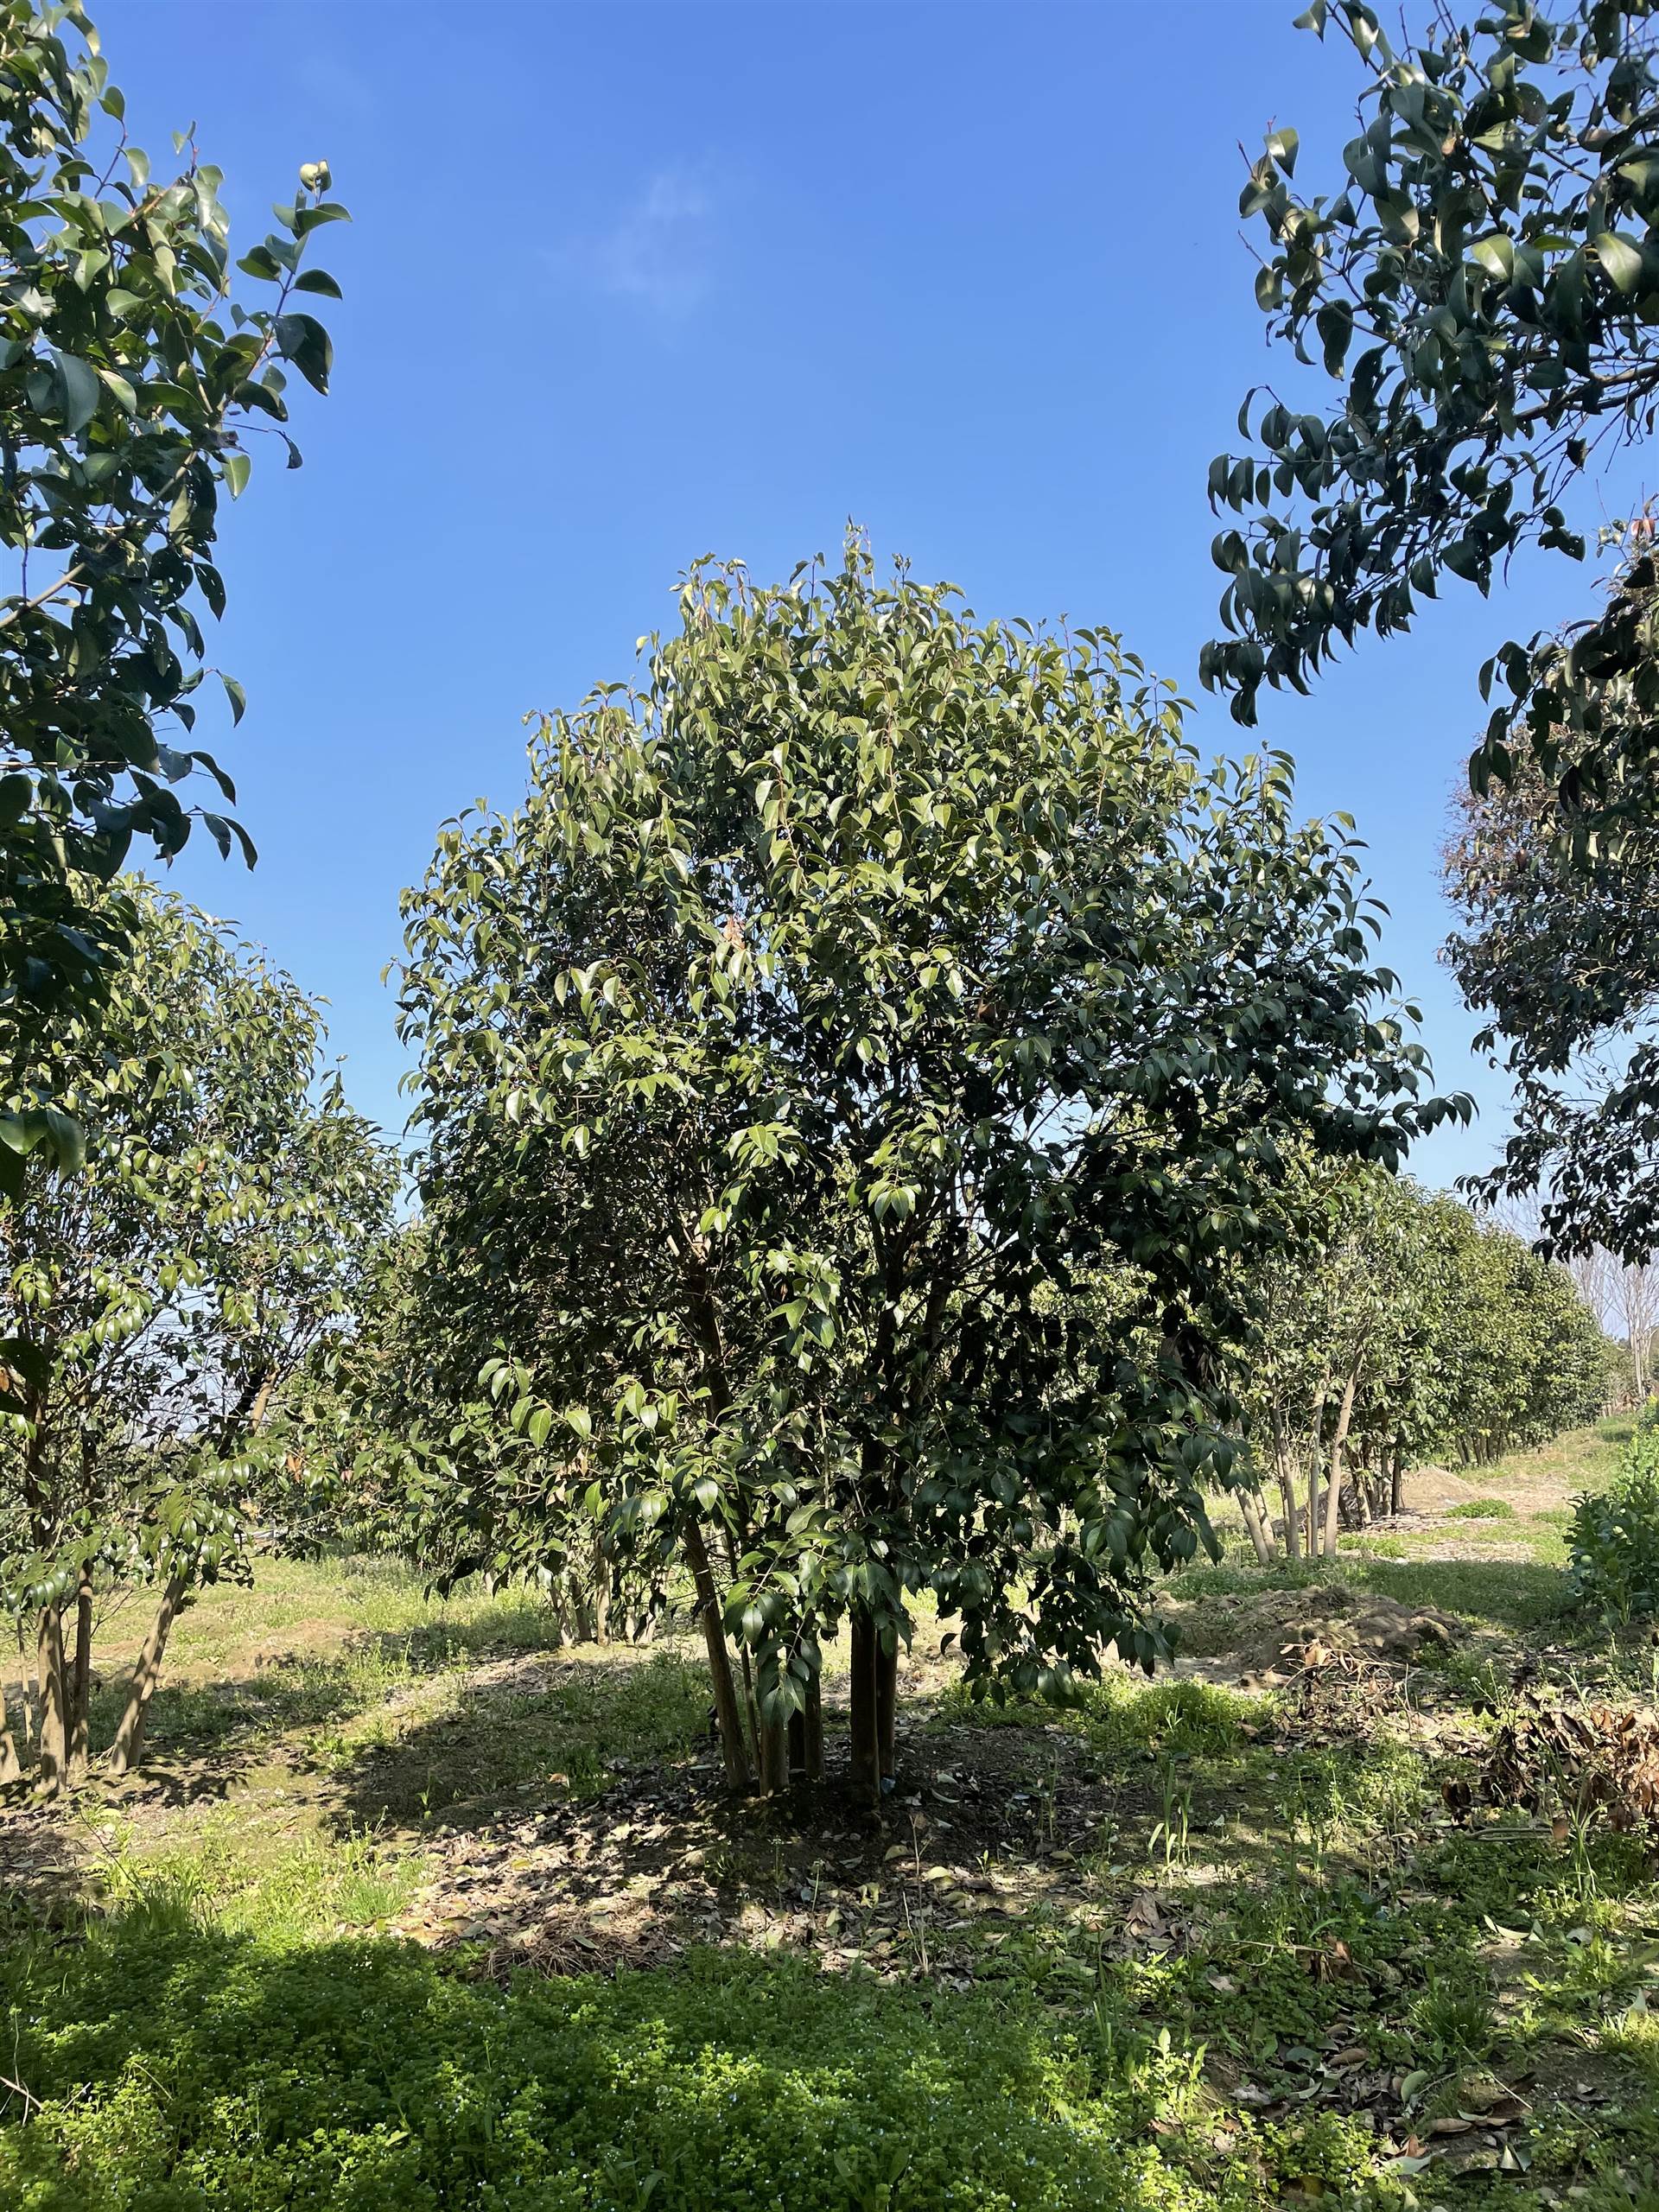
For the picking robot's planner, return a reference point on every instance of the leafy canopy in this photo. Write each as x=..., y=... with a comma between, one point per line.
x=1484, y=286
x=133, y=391
x=843, y=1078
x=228, y=1211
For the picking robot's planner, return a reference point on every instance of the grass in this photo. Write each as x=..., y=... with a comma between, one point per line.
x=1273, y=1964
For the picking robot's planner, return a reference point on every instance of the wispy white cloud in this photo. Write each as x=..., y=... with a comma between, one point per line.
x=660, y=251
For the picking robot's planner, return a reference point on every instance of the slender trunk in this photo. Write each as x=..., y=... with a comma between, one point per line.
x=1315, y=1463
x=774, y=1754
x=797, y=1747
x=1249, y=1504
x=11, y=1765
x=80, y=1682
x=887, y=1703
x=1282, y=1476
x=732, y=1750
x=865, y=1726
x=1292, y=1512
x=128, y=1747
x=1333, y=1469
x=31, y=1733
x=54, y=1716
x=812, y=1729
x=602, y=1596
x=751, y=1712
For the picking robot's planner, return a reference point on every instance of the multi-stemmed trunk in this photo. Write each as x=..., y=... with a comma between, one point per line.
x=1334, y=1467
x=873, y=1700
x=1250, y=1501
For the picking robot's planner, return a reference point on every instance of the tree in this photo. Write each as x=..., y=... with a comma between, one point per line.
x=1489, y=267
x=839, y=1010
x=1393, y=1326
x=1556, y=944
x=154, y=1301
x=1484, y=286
x=132, y=389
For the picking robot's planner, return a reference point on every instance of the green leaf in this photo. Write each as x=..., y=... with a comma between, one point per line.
x=303, y=340
x=237, y=468
x=236, y=695
x=1622, y=259
x=78, y=391
x=317, y=280
x=66, y=1139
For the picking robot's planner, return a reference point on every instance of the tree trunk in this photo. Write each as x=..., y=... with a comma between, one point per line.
x=1397, y=1479
x=1292, y=1512
x=80, y=1682
x=128, y=1747
x=54, y=1743
x=774, y=1755
x=732, y=1750
x=887, y=1703
x=602, y=1596
x=812, y=1729
x=866, y=1727
x=1315, y=1464
x=1333, y=1469
x=1249, y=1504
x=11, y=1765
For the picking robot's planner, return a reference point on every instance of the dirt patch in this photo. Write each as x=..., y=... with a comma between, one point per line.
x=1436, y=1490
x=1272, y=1635
x=987, y=1827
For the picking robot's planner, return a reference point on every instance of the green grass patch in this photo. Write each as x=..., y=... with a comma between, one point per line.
x=180, y=2069
x=1483, y=1509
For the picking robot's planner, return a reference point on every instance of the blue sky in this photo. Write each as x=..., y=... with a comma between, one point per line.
x=629, y=283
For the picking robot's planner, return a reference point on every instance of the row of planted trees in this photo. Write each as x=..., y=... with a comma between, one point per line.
x=894, y=1124
x=1394, y=1327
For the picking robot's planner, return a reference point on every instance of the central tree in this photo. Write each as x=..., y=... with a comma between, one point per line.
x=846, y=1079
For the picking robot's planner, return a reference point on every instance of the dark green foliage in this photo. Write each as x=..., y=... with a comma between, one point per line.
x=133, y=393
x=1485, y=284
x=1613, y=1564
x=846, y=1079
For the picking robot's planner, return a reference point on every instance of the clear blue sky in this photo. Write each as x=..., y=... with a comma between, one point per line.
x=628, y=283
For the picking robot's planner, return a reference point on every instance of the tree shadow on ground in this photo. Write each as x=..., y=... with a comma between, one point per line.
x=176, y=2060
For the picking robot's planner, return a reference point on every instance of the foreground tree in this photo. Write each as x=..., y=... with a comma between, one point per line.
x=838, y=1012
x=155, y=1300
x=133, y=389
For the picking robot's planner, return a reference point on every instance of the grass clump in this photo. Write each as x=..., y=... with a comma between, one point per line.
x=1180, y=1718
x=1484, y=1509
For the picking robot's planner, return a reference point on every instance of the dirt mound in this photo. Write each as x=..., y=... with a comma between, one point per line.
x=1436, y=1490
x=1273, y=1635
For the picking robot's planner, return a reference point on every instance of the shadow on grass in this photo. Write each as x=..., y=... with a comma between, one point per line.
x=159, y=2061
x=573, y=1730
